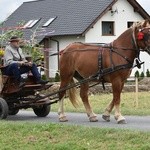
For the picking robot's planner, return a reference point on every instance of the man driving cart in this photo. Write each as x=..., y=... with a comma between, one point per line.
x=16, y=64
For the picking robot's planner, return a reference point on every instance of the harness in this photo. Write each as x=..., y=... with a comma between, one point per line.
x=103, y=71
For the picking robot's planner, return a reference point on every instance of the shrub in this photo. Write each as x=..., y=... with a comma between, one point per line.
x=57, y=77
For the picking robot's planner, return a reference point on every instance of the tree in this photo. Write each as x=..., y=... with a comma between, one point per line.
x=6, y=33
x=30, y=47
x=137, y=74
x=142, y=75
x=147, y=73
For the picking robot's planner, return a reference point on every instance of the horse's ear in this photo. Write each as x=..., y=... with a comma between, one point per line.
x=146, y=23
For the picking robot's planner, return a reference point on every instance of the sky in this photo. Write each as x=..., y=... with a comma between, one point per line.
x=9, y=6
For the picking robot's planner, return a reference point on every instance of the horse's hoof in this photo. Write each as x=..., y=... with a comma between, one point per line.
x=93, y=119
x=122, y=121
x=106, y=118
x=63, y=119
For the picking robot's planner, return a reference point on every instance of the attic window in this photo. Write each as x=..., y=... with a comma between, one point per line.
x=31, y=23
x=49, y=22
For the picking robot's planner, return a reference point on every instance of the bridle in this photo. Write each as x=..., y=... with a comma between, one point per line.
x=141, y=37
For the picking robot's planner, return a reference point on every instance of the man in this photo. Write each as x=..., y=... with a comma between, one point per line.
x=16, y=64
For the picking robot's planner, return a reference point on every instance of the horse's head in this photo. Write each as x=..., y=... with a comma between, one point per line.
x=142, y=35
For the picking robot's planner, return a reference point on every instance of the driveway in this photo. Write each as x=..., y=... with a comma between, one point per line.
x=141, y=123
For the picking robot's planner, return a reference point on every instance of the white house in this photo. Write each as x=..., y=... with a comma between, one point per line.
x=66, y=21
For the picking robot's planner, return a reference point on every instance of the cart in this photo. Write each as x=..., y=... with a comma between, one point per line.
x=13, y=98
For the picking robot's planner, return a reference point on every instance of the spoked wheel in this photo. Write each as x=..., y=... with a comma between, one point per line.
x=13, y=111
x=3, y=109
x=42, y=111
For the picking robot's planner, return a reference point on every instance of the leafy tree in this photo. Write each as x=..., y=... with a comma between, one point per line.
x=6, y=33
x=142, y=75
x=137, y=74
x=147, y=73
x=29, y=47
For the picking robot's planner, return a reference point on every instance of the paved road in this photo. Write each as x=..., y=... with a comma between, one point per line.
x=141, y=123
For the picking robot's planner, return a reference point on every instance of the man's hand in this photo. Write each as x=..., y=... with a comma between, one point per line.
x=29, y=64
x=25, y=63
x=20, y=63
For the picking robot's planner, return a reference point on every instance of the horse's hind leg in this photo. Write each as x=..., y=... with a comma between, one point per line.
x=84, y=96
x=106, y=114
x=61, y=113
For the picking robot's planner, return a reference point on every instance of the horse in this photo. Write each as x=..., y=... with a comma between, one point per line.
x=112, y=63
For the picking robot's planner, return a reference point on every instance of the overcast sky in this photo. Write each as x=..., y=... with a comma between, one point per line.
x=9, y=6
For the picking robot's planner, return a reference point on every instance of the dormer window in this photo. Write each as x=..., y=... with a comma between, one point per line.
x=31, y=23
x=47, y=23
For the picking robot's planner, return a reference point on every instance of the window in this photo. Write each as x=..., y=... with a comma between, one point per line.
x=129, y=24
x=31, y=23
x=107, y=28
x=47, y=23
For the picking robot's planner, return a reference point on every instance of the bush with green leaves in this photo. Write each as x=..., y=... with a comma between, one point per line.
x=57, y=77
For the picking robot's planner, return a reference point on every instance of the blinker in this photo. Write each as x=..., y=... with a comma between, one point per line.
x=140, y=35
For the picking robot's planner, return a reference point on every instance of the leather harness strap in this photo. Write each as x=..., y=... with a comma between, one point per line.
x=100, y=66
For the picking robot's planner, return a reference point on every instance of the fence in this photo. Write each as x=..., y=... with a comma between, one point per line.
x=139, y=84
x=132, y=84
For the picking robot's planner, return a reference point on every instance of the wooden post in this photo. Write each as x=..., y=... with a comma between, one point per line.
x=136, y=92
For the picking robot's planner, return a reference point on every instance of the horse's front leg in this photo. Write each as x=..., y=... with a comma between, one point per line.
x=117, y=89
x=62, y=116
x=84, y=96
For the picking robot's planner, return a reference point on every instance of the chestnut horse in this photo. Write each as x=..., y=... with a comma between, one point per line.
x=84, y=60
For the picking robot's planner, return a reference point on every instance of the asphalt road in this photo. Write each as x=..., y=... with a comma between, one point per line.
x=141, y=123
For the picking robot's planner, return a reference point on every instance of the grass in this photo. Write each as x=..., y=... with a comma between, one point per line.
x=48, y=136
x=100, y=101
x=32, y=136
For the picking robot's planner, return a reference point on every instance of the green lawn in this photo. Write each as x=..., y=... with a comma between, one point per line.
x=100, y=101
x=46, y=136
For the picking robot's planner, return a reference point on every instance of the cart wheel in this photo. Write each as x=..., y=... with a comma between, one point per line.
x=13, y=111
x=3, y=109
x=42, y=111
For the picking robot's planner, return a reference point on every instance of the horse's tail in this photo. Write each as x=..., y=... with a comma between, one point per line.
x=72, y=93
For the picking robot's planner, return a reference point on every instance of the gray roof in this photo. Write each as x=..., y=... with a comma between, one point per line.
x=74, y=17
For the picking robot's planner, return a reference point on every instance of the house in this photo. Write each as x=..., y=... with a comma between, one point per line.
x=61, y=22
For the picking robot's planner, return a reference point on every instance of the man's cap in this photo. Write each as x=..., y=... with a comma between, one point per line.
x=14, y=39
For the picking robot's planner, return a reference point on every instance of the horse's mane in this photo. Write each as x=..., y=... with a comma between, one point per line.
x=140, y=24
